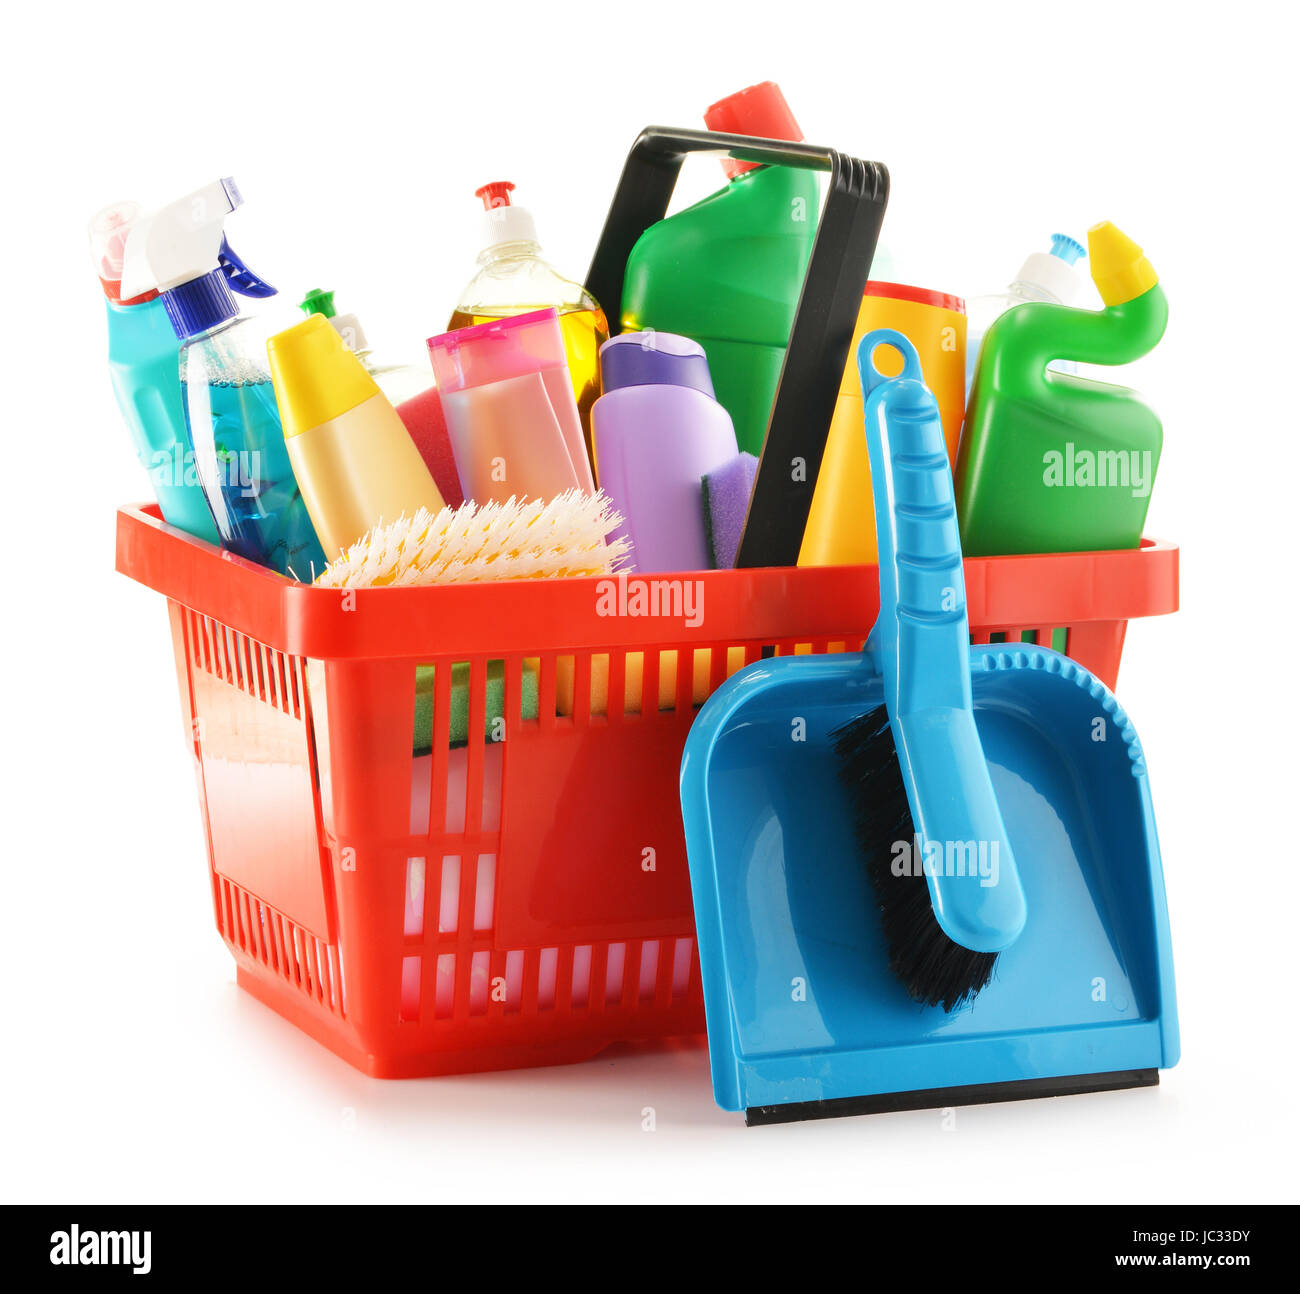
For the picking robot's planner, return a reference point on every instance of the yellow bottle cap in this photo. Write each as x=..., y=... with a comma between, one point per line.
x=316, y=377
x=1119, y=268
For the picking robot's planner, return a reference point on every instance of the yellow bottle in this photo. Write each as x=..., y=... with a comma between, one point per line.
x=514, y=279
x=355, y=462
x=841, y=526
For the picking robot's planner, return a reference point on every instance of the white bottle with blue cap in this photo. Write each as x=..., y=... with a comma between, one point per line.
x=1045, y=276
x=230, y=409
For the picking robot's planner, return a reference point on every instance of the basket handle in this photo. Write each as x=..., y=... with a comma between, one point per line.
x=824, y=321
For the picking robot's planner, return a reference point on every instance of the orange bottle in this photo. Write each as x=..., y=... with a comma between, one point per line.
x=841, y=526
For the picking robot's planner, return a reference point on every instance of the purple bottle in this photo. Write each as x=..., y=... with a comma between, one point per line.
x=658, y=431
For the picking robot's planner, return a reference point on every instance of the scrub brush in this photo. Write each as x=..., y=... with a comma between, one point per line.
x=927, y=818
x=535, y=539
x=936, y=970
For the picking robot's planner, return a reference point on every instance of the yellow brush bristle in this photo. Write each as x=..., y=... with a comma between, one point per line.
x=534, y=539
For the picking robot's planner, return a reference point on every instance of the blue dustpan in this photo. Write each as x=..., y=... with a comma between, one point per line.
x=805, y=1017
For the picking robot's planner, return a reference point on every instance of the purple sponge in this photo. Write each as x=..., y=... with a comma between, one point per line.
x=726, y=500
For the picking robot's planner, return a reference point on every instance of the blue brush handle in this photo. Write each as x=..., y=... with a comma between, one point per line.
x=921, y=646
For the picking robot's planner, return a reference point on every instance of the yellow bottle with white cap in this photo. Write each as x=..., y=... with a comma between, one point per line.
x=354, y=460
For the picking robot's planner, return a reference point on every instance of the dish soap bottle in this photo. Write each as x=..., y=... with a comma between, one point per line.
x=230, y=410
x=142, y=351
x=1050, y=462
x=1045, y=276
x=514, y=279
x=728, y=271
x=410, y=388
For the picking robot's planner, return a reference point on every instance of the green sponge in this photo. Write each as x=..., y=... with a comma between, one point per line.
x=458, y=718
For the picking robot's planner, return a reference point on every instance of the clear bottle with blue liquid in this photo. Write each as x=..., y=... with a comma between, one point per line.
x=231, y=415
x=239, y=449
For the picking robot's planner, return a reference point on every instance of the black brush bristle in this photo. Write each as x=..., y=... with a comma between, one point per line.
x=933, y=968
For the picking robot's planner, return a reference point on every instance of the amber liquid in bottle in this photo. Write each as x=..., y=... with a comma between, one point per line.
x=585, y=331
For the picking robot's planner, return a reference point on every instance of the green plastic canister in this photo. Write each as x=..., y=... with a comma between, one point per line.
x=727, y=272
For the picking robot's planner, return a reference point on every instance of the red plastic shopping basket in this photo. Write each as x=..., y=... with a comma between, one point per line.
x=520, y=898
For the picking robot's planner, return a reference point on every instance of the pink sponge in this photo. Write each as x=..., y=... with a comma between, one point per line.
x=422, y=415
x=726, y=500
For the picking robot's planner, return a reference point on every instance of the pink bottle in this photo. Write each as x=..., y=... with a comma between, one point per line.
x=511, y=416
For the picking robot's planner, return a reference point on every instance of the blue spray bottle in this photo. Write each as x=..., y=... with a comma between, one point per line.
x=142, y=361
x=230, y=408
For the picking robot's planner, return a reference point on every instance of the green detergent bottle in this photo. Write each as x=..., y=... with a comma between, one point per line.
x=1050, y=462
x=727, y=272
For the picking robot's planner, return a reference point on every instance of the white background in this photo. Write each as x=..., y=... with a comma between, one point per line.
x=133, y=1068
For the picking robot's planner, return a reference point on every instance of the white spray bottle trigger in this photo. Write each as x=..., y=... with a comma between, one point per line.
x=179, y=242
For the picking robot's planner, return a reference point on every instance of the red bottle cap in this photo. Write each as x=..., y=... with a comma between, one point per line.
x=761, y=111
x=496, y=194
x=108, y=234
x=922, y=296
x=113, y=291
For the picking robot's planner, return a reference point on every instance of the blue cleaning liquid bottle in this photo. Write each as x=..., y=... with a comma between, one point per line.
x=230, y=409
x=142, y=361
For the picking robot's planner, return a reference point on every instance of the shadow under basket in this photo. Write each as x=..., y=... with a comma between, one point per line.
x=443, y=824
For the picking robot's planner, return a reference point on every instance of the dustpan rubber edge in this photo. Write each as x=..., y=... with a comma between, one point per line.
x=1021, y=1089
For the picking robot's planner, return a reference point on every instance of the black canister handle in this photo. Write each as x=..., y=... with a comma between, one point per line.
x=824, y=320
